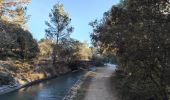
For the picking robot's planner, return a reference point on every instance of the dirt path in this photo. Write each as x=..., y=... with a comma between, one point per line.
x=100, y=87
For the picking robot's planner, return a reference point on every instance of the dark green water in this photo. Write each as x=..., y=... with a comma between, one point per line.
x=54, y=89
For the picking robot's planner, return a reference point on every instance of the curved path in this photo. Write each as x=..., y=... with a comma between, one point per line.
x=100, y=87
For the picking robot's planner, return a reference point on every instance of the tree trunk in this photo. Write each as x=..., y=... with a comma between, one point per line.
x=55, y=51
x=54, y=56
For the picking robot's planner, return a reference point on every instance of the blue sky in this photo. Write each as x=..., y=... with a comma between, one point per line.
x=80, y=11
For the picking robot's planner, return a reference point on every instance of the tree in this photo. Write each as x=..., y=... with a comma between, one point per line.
x=14, y=11
x=17, y=42
x=20, y=17
x=76, y=50
x=73, y=52
x=138, y=34
x=45, y=46
x=84, y=52
x=59, y=27
x=67, y=50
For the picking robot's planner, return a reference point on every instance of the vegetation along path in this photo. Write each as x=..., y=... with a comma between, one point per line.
x=100, y=86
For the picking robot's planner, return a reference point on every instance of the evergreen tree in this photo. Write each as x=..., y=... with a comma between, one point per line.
x=58, y=27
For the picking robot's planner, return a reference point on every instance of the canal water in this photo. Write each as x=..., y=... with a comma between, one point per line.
x=54, y=89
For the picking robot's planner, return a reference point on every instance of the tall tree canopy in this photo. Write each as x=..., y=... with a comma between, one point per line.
x=138, y=33
x=59, y=27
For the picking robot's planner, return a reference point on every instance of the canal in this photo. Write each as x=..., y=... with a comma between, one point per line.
x=54, y=89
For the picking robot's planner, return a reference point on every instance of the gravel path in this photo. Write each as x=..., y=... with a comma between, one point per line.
x=100, y=87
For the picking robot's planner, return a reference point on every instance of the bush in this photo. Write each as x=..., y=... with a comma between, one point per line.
x=17, y=42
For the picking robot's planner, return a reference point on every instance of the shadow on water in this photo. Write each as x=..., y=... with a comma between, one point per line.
x=54, y=89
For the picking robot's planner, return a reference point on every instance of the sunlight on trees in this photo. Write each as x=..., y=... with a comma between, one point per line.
x=58, y=28
x=137, y=31
x=84, y=52
x=24, y=59
x=14, y=11
x=45, y=46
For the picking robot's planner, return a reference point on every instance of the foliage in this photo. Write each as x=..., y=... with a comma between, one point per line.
x=67, y=50
x=45, y=46
x=84, y=52
x=16, y=42
x=14, y=11
x=138, y=34
x=58, y=27
x=73, y=50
